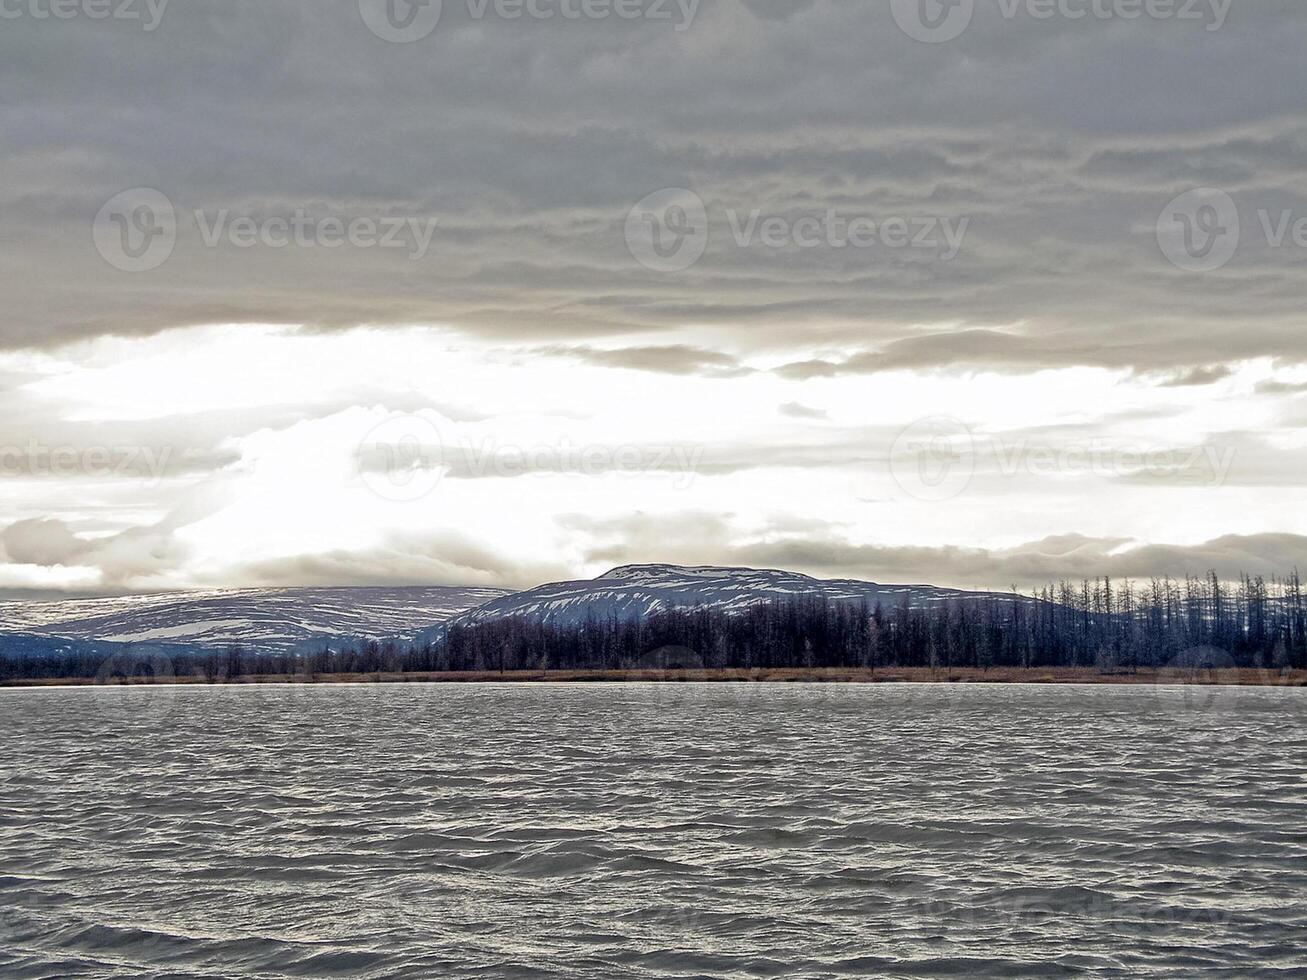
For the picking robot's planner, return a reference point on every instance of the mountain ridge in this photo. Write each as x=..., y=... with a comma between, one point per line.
x=281, y=619
x=632, y=591
x=297, y=620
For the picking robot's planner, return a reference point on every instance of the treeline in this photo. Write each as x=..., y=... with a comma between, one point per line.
x=234, y=663
x=1096, y=624
x=1100, y=624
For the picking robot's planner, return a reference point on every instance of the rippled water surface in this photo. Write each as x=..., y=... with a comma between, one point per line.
x=653, y=831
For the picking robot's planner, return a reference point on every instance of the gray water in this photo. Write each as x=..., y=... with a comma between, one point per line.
x=653, y=831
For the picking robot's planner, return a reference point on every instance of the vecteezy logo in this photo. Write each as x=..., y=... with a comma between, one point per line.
x=136, y=230
x=1197, y=683
x=668, y=230
x=401, y=21
x=934, y=459
x=933, y=21
x=400, y=459
x=143, y=685
x=1199, y=230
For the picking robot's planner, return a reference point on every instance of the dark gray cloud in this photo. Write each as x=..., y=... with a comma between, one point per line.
x=1167, y=346
x=1028, y=163
x=786, y=110
x=1281, y=387
x=669, y=359
x=1198, y=377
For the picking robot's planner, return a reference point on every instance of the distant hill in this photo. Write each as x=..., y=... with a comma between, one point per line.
x=30, y=645
x=633, y=591
x=273, y=620
x=305, y=619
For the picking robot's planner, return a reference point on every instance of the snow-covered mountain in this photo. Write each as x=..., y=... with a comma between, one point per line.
x=638, y=590
x=290, y=619
x=260, y=619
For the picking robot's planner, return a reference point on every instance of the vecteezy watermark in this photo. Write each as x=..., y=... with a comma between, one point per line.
x=142, y=682
x=147, y=13
x=35, y=459
x=834, y=229
x=938, y=21
x=680, y=13
x=406, y=457
x=935, y=459
x=1204, y=465
x=400, y=21
x=1035, y=910
x=302, y=230
x=137, y=230
x=489, y=458
x=406, y=21
x=1201, y=230
x=1199, y=681
x=401, y=459
x=933, y=21
x=668, y=231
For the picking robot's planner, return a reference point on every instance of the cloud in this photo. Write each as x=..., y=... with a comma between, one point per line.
x=683, y=538
x=717, y=539
x=43, y=542
x=152, y=559
x=123, y=561
x=445, y=558
x=672, y=359
x=784, y=110
x=1198, y=377
x=1051, y=146
x=1281, y=387
x=986, y=348
x=1033, y=564
x=796, y=410
x=1011, y=352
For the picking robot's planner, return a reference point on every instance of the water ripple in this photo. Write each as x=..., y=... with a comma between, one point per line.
x=674, y=831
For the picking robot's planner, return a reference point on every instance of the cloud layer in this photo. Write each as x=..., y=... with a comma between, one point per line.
x=527, y=142
x=760, y=281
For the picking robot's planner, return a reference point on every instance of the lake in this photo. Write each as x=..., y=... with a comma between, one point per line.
x=653, y=831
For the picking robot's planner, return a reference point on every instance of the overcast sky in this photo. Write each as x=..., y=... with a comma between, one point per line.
x=363, y=292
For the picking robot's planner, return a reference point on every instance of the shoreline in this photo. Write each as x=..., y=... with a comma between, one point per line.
x=1243, y=677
